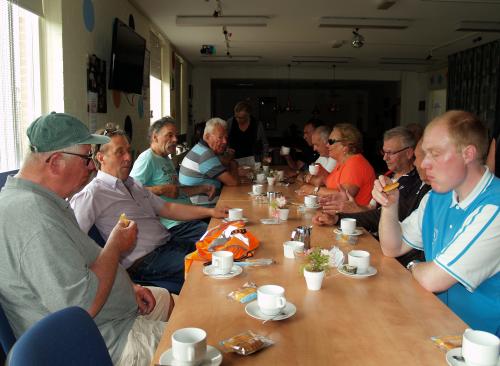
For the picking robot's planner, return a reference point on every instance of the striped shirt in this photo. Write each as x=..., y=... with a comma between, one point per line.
x=201, y=166
x=463, y=238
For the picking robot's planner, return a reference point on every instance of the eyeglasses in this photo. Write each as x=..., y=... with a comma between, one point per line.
x=333, y=141
x=391, y=153
x=109, y=131
x=86, y=157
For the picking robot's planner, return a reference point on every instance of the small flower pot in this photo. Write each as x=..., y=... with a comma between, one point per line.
x=314, y=279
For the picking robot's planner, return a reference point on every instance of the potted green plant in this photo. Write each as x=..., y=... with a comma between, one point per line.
x=317, y=264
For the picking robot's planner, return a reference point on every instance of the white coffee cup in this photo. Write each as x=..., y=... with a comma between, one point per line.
x=234, y=214
x=271, y=181
x=189, y=345
x=257, y=189
x=261, y=178
x=283, y=213
x=284, y=150
x=311, y=200
x=222, y=261
x=265, y=168
x=348, y=226
x=360, y=259
x=314, y=169
x=480, y=348
x=292, y=248
x=271, y=299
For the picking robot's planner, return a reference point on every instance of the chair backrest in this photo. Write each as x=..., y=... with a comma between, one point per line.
x=7, y=338
x=66, y=337
x=4, y=175
x=96, y=235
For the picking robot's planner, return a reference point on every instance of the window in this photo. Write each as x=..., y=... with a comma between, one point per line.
x=155, y=98
x=20, y=92
x=159, y=92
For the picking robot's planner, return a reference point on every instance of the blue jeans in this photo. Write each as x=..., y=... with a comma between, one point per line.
x=187, y=233
x=167, y=261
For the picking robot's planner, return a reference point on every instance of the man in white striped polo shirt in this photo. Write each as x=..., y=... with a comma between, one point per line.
x=205, y=164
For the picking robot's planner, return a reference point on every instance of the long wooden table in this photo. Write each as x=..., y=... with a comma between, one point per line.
x=386, y=319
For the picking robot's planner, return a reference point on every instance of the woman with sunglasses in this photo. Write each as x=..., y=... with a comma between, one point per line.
x=353, y=174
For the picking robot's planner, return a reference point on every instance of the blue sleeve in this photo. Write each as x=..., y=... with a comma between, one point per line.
x=142, y=171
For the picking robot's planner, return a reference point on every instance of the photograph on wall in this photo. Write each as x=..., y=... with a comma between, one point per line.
x=96, y=81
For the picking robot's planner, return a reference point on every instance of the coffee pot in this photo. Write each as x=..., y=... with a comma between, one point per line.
x=302, y=234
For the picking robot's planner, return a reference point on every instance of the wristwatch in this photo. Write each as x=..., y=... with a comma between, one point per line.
x=316, y=190
x=412, y=264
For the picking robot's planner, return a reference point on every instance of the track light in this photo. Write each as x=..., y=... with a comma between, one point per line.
x=358, y=40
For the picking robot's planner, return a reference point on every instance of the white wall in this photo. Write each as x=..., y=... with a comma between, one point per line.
x=77, y=44
x=414, y=89
x=413, y=85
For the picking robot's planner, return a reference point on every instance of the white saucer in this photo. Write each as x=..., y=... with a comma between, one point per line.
x=253, y=310
x=270, y=221
x=371, y=272
x=356, y=232
x=214, y=272
x=256, y=195
x=244, y=219
x=315, y=207
x=212, y=358
x=458, y=352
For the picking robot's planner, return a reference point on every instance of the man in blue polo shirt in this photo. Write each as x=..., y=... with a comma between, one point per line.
x=456, y=225
x=206, y=164
x=156, y=171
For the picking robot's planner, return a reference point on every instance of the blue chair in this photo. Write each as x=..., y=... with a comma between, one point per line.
x=7, y=338
x=4, y=175
x=66, y=337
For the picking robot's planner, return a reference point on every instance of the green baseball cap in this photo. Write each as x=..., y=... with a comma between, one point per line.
x=56, y=131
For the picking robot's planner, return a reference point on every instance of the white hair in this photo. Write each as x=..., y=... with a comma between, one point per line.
x=31, y=157
x=212, y=122
x=323, y=132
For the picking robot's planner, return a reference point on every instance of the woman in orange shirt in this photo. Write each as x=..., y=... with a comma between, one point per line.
x=353, y=173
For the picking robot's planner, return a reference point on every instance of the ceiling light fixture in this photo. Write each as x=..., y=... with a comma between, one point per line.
x=404, y=61
x=385, y=4
x=358, y=40
x=221, y=20
x=230, y=58
x=478, y=26
x=322, y=59
x=374, y=23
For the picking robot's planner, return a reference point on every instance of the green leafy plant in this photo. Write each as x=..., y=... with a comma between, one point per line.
x=317, y=260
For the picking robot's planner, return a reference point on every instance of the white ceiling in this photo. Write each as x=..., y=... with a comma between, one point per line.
x=293, y=29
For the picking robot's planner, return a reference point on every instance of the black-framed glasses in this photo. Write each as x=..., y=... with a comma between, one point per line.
x=334, y=141
x=86, y=157
x=391, y=153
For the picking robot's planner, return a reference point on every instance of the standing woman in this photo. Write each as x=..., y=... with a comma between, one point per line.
x=246, y=134
x=353, y=173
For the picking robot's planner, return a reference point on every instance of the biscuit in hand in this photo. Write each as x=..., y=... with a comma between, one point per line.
x=390, y=187
x=123, y=219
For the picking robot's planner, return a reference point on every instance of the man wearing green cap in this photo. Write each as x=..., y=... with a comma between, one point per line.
x=47, y=263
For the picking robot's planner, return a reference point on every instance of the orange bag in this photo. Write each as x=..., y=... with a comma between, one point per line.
x=231, y=236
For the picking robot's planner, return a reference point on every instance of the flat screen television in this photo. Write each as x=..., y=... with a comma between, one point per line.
x=127, y=59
